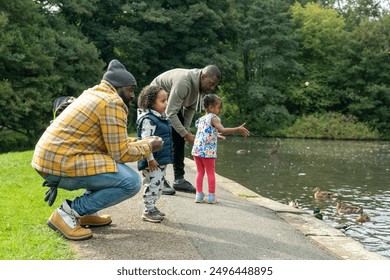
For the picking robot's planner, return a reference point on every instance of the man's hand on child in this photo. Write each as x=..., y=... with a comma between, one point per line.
x=153, y=165
x=155, y=142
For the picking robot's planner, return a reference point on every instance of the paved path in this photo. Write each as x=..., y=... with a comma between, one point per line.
x=243, y=226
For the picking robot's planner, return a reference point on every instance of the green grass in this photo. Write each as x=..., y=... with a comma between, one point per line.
x=24, y=234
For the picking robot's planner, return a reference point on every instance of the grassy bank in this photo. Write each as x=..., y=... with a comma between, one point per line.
x=24, y=234
x=330, y=126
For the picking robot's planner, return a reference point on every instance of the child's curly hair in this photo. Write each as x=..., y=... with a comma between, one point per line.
x=147, y=97
x=210, y=100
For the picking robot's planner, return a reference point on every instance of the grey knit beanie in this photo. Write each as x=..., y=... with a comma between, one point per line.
x=118, y=76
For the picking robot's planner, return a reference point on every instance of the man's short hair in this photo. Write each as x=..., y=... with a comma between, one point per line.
x=211, y=71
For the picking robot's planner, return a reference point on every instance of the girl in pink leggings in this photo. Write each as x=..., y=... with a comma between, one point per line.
x=205, y=146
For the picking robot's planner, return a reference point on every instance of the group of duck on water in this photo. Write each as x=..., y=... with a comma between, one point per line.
x=340, y=207
x=322, y=195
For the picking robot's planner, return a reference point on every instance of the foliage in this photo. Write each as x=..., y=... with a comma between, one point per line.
x=13, y=142
x=24, y=234
x=40, y=58
x=151, y=37
x=330, y=126
x=322, y=39
x=366, y=74
x=356, y=10
x=25, y=65
x=268, y=48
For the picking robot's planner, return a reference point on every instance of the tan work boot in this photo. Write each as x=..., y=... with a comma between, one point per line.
x=66, y=221
x=94, y=220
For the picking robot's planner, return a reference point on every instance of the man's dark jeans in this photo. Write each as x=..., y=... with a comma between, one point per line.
x=178, y=152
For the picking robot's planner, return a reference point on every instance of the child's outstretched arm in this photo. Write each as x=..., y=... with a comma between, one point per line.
x=229, y=130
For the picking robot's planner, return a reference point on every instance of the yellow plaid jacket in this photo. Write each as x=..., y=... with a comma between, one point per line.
x=89, y=137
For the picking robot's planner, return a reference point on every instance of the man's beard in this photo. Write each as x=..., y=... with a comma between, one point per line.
x=126, y=100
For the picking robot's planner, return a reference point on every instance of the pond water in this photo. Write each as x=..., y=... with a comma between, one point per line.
x=358, y=171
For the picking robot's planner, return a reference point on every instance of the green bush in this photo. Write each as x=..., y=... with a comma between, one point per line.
x=14, y=142
x=330, y=126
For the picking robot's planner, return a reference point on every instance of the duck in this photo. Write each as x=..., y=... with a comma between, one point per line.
x=294, y=203
x=241, y=152
x=323, y=194
x=340, y=208
x=275, y=148
x=363, y=217
x=345, y=227
x=317, y=213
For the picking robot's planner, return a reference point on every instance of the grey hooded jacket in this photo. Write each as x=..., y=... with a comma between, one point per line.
x=182, y=85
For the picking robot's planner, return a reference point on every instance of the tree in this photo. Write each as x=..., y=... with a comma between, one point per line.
x=355, y=10
x=365, y=77
x=25, y=66
x=150, y=37
x=77, y=62
x=34, y=65
x=322, y=43
x=268, y=50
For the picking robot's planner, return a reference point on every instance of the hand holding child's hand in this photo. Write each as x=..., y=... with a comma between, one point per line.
x=155, y=142
x=242, y=129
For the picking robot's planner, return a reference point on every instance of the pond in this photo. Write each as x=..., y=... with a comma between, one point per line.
x=357, y=171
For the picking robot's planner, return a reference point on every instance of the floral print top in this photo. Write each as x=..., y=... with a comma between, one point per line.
x=205, y=144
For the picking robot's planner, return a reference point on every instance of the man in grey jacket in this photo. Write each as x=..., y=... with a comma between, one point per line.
x=185, y=87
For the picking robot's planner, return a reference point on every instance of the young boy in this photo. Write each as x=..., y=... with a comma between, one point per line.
x=152, y=120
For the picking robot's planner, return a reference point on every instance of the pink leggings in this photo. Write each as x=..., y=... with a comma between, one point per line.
x=205, y=165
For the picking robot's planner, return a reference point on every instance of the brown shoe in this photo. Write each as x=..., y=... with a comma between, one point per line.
x=95, y=220
x=66, y=221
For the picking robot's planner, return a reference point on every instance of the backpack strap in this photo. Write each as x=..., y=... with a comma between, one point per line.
x=60, y=103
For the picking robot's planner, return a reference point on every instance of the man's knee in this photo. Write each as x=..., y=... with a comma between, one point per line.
x=130, y=181
x=132, y=185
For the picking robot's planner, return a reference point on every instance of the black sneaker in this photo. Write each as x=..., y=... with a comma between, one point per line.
x=185, y=186
x=167, y=189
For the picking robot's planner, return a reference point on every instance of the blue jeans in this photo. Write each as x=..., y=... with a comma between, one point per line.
x=102, y=190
